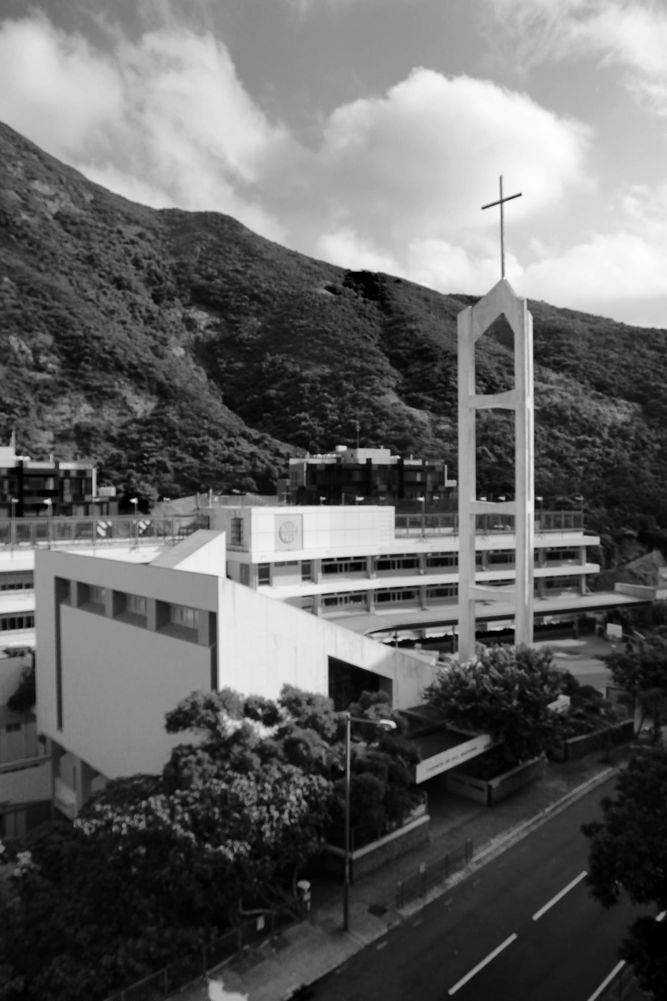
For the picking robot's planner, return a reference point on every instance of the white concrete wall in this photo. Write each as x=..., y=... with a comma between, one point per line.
x=26, y=785
x=118, y=682
x=318, y=531
x=118, y=679
x=264, y=643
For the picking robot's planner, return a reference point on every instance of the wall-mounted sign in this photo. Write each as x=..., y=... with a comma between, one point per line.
x=451, y=757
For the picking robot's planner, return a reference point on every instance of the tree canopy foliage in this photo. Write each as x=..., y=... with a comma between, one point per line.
x=641, y=669
x=158, y=864
x=505, y=691
x=628, y=854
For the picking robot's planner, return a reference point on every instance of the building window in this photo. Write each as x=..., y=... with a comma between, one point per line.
x=135, y=604
x=264, y=573
x=18, y=581
x=442, y=592
x=434, y=560
x=501, y=557
x=306, y=570
x=393, y=563
x=10, y=623
x=344, y=566
x=396, y=596
x=97, y=595
x=184, y=617
x=350, y=599
x=236, y=532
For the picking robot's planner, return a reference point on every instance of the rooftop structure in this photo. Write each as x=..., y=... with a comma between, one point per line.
x=36, y=487
x=355, y=475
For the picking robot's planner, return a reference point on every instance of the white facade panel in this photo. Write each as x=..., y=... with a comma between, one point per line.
x=118, y=681
x=265, y=643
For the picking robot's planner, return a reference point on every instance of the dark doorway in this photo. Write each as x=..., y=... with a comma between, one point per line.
x=347, y=682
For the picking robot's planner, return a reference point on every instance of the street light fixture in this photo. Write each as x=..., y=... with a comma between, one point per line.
x=384, y=724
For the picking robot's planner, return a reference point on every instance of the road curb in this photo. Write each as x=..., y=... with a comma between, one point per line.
x=507, y=840
x=353, y=943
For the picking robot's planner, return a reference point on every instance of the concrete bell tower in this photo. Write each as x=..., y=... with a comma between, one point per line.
x=473, y=322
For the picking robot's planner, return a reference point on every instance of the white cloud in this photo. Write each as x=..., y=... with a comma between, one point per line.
x=395, y=183
x=55, y=87
x=348, y=249
x=398, y=181
x=165, y=118
x=422, y=160
x=621, y=264
x=628, y=33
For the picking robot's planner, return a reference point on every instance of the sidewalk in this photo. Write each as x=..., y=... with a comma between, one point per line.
x=305, y=952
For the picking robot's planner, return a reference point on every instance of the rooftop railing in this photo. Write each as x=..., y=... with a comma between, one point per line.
x=57, y=532
x=432, y=525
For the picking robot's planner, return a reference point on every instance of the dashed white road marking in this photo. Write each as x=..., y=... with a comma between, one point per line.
x=559, y=896
x=480, y=966
x=607, y=981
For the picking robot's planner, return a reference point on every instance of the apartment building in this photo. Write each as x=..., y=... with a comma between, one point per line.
x=368, y=474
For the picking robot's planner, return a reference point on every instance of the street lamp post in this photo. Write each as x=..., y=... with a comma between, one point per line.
x=12, y=528
x=49, y=515
x=385, y=724
x=540, y=501
x=134, y=501
x=580, y=498
x=422, y=501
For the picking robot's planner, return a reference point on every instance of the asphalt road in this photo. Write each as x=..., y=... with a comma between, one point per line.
x=523, y=928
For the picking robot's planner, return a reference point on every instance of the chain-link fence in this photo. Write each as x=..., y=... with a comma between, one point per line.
x=428, y=876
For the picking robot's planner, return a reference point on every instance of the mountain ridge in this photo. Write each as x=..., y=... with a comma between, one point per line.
x=184, y=352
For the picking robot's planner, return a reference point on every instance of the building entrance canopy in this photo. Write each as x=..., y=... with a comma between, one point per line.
x=445, y=749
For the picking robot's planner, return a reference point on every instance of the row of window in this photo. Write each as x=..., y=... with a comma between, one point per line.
x=19, y=580
x=433, y=593
x=93, y=597
x=8, y=623
x=346, y=566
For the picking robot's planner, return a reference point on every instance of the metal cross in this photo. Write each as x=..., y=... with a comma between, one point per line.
x=501, y=201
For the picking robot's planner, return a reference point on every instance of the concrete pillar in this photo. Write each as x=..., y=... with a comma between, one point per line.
x=467, y=475
x=524, y=472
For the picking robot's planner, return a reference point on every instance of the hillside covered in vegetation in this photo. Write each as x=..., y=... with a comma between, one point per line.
x=183, y=351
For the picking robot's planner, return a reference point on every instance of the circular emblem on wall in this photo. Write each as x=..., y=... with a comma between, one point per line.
x=287, y=532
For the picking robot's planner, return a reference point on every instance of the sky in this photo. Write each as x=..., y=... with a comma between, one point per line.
x=370, y=133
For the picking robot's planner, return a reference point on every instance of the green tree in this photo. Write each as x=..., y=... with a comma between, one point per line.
x=628, y=854
x=25, y=695
x=641, y=669
x=505, y=692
